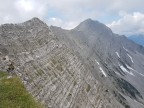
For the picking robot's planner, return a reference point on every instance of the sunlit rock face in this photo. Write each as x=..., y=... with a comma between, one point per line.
x=62, y=70
x=113, y=60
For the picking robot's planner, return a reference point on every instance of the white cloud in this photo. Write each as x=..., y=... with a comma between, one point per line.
x=15, y=11
x=129, y=24
x=60, y=23
x=25, y=5
x=70, y=12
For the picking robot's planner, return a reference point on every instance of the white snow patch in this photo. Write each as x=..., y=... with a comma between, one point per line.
x=102, y=71
x=125, y=70
x=117, y=54
x=130, y=58
x=117, y=73
x=140, y=73
x=125, y=49
x=101, y=68
x=130, y=68
x=135, y=70
x=97, y=62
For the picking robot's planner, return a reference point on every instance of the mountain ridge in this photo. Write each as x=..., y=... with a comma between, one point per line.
x=115, y=47
x=72, y=68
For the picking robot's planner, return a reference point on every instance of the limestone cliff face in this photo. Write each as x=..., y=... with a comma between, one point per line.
x=51, y=71
x=112, y=59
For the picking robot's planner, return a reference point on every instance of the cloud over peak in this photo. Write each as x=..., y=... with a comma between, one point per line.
x=69, y=13
x=129, y=24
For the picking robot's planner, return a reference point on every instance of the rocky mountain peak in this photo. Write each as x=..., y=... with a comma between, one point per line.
x=92, y=26
x=86, y=67
x=34, y=22
x=34, y=19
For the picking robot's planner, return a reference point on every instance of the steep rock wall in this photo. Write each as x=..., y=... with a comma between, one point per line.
x=52, y=73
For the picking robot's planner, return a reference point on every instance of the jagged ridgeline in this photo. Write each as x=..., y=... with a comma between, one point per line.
x=86, y=67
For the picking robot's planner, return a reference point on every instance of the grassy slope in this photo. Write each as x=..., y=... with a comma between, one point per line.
x=13, y=93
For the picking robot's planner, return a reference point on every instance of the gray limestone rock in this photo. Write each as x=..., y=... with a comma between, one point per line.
x=87, y=67
x=103, y=51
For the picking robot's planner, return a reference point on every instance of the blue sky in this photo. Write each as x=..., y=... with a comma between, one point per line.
x=122, y=16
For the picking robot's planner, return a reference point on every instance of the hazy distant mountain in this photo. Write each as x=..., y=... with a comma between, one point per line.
x=139, y=39
x=86, y=67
